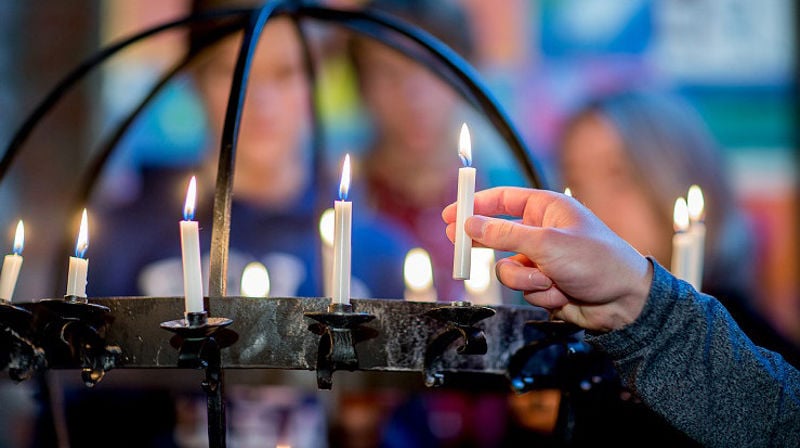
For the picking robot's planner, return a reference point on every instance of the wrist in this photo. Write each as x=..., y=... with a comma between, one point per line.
x=630, y=306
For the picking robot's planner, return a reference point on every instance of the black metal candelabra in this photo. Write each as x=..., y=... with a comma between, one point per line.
x=401, y=336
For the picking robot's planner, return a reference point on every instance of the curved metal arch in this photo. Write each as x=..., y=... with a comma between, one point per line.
x=461, y=76
x=67, y=82
x=470, y=87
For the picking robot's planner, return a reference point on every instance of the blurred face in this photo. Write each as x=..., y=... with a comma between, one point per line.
x=410, y=105
x=276, y=106
x=601, y=177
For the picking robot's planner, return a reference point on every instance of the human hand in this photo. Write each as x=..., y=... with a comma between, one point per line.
x=566, y=259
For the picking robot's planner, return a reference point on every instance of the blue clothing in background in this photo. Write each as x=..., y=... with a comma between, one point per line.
x=135, y=248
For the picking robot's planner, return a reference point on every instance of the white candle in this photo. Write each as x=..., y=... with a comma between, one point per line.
x=483, y=288
x=681, y=242
x=190, y=251
x=418, y=276
x=342, y=228
x=255, y=280
x=697, y=228
x=12, y=264
x=78, y=265
x=464, y=206
x=326, y=237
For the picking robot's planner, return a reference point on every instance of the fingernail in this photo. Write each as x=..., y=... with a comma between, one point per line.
x=476, y=225
x=538, y=280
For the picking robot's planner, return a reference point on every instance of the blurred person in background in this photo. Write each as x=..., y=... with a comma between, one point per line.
x=410, y=165
x=277, y=196
x=628, y=156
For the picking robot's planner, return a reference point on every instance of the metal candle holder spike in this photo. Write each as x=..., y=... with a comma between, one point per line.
x=461, y=318
x=72, y=333
x=338, y=330
x=18, y=353
x=199, y=340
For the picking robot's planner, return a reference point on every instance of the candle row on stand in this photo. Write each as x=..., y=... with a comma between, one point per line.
x=338, y=262
x=78, y=264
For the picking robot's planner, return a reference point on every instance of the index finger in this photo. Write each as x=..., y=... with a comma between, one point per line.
x=511, y=201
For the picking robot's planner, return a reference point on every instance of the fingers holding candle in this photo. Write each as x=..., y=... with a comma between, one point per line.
x=583, y=272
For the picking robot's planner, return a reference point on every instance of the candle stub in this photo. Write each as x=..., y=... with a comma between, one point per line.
x=12, y=264
x=683, y=252
x=697, y=229
x=326, y=224
x=79, y=265
x=462, y=258
x=418, y=276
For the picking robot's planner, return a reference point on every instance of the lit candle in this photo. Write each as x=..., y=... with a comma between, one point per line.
x=190, y=250
x=12, y=264
x=418, y=275
x=326, y=236
x=78, y=265
x=343, y=221
x=483, y=288
x=568, y=192
x=255, y=280
x=464, y=207
x=681, y=242
x=697, y=228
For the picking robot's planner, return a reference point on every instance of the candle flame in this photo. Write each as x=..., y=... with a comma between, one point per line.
x=680, y=216
x=480, y=275
x=344, y=184
x=19, y=238
x=83, y=236
x=696, y=203
x=191, y=200
x=465, y=146
x=326, y=226
x=417, y=270
x=255, y=280
x=568, y=192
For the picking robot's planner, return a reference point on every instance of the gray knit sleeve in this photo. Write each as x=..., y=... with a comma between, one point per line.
x=687, y=359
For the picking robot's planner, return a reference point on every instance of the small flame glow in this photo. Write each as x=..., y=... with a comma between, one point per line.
x=680, y=216
x=417, y=270
x=255, y=280
x=19, y=238
x=83, y=237
x=191, y=200
x=696, y=203
x=481, y=271
x=344, y=184
x=326, y=227
x=465, y=146
x=568, y=192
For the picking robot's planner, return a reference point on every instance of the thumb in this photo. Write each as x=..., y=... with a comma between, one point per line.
x=505, y=235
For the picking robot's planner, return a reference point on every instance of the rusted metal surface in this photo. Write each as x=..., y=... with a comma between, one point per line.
x=273, y=333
